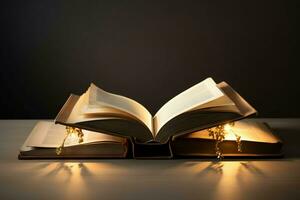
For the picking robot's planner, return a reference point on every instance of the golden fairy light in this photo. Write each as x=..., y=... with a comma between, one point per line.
x=219, y=133
x=72, y=133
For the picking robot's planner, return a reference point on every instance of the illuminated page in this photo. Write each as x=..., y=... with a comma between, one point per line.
x=50, y=135
x=247, y=129
x=200, y=94
x=100, y=99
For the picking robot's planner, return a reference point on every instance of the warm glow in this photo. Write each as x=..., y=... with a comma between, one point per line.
x=71, y=177
x=228, y=178
x=121, y=179
x=229, y=134
x=228, y=186
x=72, y=139
x=227, y=127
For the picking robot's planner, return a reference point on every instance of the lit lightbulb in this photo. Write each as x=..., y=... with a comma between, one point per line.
x=231, y=135
x=73, y=138
x=227, y=128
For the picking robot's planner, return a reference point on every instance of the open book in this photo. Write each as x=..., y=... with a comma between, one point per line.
x=47, y=136
x=257, y=139
x=193, y=123
x=202, y=106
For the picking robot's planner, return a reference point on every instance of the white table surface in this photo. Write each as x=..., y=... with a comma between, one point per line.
x=149, y=179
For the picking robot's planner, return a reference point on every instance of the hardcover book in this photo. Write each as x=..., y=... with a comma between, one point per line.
x=47, y=136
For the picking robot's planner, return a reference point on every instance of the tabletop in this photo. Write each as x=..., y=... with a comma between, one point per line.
x=149, y=179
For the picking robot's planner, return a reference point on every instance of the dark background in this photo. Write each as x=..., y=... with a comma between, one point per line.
x=146, y=50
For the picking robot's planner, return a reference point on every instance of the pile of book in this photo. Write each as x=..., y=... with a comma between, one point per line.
x=193, y=123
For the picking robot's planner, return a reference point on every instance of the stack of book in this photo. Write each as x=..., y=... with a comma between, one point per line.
x=190, y=124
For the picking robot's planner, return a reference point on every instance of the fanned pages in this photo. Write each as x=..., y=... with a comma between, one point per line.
x=203, y=95
x=202, y=106
x=100, y=99
x=97, y=104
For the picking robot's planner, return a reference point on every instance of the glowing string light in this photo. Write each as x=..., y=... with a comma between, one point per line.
x=72, y=133
x=219, y=133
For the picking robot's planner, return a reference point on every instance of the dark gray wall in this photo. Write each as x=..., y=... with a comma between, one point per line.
x=146, y=50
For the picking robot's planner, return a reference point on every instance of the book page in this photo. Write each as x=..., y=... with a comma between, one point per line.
x=50, y=135
x=200, y=94
x=247, y=129
x=78, y=113
x=100, y=99
x=222, y=101
x=97, y=104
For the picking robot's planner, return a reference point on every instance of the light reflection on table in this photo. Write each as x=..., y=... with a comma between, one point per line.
x=148, y=179
x=157, y=178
